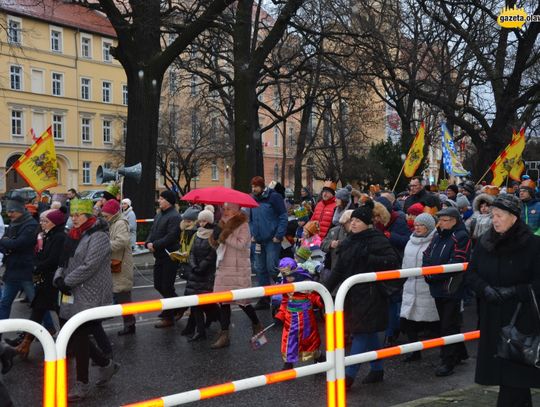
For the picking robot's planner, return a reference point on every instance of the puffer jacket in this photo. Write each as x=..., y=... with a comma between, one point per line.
x=269, y=219
x=121, y=250
x=88, y=272
x=17, y=245
x=417, y=303
x=530, y=213
x=324, y=213
x=202, y=258
x=164, y=233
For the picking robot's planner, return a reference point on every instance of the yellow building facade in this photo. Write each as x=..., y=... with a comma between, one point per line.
x=57, y=70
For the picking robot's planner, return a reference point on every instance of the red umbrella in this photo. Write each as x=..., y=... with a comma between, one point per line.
x=220, y=195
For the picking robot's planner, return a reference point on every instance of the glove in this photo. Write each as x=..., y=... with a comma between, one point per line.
x=507, y=293
x=492, y=295
x=61, y=285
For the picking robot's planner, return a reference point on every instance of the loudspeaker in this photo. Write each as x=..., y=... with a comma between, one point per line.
x=134, y=172
x=105, y=175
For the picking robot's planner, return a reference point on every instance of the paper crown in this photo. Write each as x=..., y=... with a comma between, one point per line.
x=302, y=253
x=330, y=184
x=301, y=213
x=81, y=206
x=113, y=189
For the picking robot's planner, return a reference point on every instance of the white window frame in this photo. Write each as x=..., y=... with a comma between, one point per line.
x=110, y=91
x=58, y=126
x=19, y=75
x=42, y=80
x=88, y=127
x=125, y=94
x=61, y=81
x=276, y=136
x=53, y=28
x=214, y=171
x=90, y=38
x=106, y=51
x=19, y=119
x=106, y=131
x=86, y=172
x=89, y=88
x=18, y=31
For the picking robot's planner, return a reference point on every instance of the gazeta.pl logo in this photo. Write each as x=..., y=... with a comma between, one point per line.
x=513, y=17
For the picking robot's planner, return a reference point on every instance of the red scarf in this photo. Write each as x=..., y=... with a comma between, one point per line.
x=76, y=233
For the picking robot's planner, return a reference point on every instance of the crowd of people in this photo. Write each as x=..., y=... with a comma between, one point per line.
x=84, y=252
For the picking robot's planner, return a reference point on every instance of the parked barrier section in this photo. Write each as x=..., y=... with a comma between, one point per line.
x=342, y=361
x=210, y=298
x=49, y=350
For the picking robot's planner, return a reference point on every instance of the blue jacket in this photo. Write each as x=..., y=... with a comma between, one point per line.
x=530, y=214
x=269, y=219
x=18, y=247
x=447, y=246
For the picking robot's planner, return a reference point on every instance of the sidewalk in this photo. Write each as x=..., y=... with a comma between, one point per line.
x=473, y=396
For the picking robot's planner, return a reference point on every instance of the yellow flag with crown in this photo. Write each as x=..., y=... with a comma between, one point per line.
x=416, y=153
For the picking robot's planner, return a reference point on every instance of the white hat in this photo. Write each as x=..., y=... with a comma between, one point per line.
x=126, y=201
x=206, y=215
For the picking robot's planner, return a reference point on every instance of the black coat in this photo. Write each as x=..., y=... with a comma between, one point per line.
x=513, y=260
x=200, y=277
x=47, y=261
x=165, y=233
x=18, y=244
x=366, y=305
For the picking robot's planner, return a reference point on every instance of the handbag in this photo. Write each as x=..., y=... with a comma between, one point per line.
x=116, y=266
x=516, y=346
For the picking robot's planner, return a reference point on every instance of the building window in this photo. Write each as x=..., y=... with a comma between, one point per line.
x=215, y=173
x=106, y=125
x=15, y=74
x=86, y=46
x=16, y=123
x=58, y=126
x=56, y=40
x=57, y=84
x=85, y=88
x=276, y=136
x=106, y=51
x=14, y=31
x=124, y=132
x=106, y=92
x=86, y=172
x=36, y=78
x=125, y=95
x=86, y=130
x=276, y=171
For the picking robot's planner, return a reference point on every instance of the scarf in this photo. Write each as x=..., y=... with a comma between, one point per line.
x=73, y=239
x=204, y=233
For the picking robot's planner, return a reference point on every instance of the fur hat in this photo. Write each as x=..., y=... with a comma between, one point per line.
x=345, y=216
x=344, y=194
x=169, y=196
x=364, y=213
x=207, y=214
x=56, y=216
x=112, y=207
x=508, y=203
x=258, y=181
x=415, y=209
x=427, y=220
x=312, y=227
x=191, y=213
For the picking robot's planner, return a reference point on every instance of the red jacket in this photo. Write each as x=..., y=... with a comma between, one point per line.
x=323, y=213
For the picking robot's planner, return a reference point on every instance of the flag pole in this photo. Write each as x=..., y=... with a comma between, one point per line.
x=399, y=176
x=483, y=176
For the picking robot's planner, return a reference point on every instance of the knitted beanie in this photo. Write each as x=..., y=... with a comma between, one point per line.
x=364, y=213
x=426, y=220
x=111, y=207
x=169, y=196
x=56, y=216
x=344, y=194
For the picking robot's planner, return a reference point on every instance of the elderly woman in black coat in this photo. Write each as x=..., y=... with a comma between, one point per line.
x=365, y=250
x=503, y=268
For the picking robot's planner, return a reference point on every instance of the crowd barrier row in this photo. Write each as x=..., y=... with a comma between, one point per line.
x=334, y=366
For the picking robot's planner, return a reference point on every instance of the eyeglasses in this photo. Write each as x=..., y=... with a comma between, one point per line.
x=414, y=185
x=445, y=219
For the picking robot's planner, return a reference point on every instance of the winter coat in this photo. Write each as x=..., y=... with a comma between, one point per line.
x=530, y=213
x=18, y=244
x=366, y=305
x=164, y=233
x=336, y=233
x=202, y=258
x=121, y=250
x=233, y=265
x=130, y=216
x=47, y=261
x=417, y=303
x=504, y=262
x=269, y=219
x=448, y=246
x=479, y=223
x=399, y=231
x=412, y=199
x=324, y=213
x=88, y=272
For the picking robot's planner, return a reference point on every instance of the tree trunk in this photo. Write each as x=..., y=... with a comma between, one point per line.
x=301, y=146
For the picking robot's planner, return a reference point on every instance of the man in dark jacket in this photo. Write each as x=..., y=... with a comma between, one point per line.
x=451, y=244
x=417, y=193
x=164, y=236
x=17, y=245
x=267, y=224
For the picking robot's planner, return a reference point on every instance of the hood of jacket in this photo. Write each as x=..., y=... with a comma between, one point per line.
x=480, y=199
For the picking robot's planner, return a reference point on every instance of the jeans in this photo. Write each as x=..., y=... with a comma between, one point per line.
x=394, y=309
x=364, y=343
x=266, y=262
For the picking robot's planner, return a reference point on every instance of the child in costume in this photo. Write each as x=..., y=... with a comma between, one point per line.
x=300, y=339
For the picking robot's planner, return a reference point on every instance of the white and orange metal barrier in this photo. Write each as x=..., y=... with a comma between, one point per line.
x=226, y=296
x=49, y=350
x=342, y=361
x=143, y=221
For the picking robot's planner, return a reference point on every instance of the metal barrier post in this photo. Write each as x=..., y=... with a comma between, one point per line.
x=340, y=301
x=226, y=296
x=49, y=350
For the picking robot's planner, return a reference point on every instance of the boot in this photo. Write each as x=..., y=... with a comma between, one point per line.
x=16, y=341
x=24, y=348
x=7, y=359
x=222, y=341
x=257, y=328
